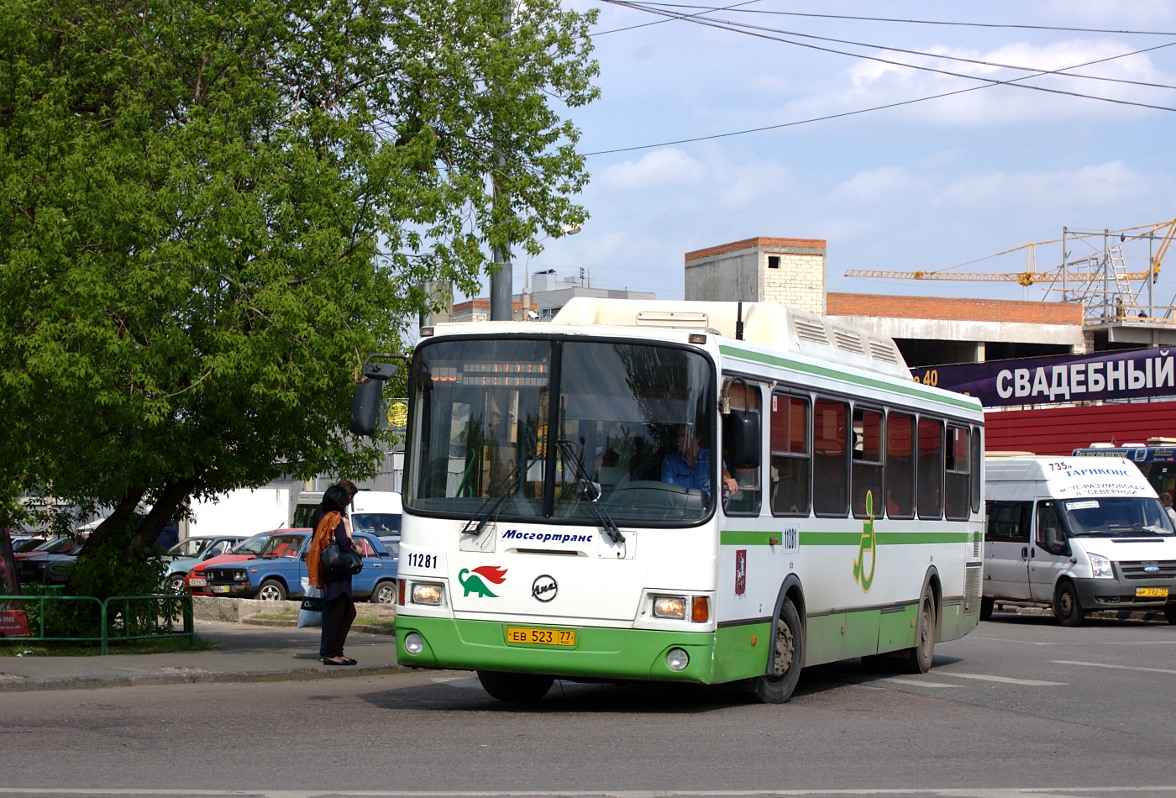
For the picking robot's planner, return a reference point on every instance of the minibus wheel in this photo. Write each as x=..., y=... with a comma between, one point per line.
x=1170, y=614
x=987, y=603
x=776, y=686
x=515, y=688
x=1066, y=606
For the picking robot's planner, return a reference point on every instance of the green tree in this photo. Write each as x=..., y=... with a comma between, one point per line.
x=211, y=210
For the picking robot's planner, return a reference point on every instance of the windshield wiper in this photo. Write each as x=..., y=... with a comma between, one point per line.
x=487, y=509
x=590, y=491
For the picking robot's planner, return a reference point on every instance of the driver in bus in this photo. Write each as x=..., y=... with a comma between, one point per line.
x=689, y=466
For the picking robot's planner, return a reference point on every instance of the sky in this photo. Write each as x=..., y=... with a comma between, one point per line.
x=952, y=173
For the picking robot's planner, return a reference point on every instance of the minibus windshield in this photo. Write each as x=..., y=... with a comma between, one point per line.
x=1115, y=517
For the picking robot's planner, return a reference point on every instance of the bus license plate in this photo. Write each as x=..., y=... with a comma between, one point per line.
x=1151, y=592
x=529, y=635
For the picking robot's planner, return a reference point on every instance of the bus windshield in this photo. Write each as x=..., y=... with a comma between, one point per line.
x=1116, y=517
x=557, y=430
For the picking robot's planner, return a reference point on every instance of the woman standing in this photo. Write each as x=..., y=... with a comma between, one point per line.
x=331, y=525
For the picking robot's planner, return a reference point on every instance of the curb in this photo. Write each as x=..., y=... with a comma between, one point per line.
x=367, y=629
x=192, y=676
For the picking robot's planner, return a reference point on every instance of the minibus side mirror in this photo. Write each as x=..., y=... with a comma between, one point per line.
x=1055, y=541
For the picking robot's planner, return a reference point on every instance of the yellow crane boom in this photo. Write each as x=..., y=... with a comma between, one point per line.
x=1031, y=275
x=1020, y=278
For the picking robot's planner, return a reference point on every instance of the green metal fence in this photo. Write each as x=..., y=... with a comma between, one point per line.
x=119, y=618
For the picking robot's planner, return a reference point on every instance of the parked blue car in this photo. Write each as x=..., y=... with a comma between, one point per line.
x=276, y=573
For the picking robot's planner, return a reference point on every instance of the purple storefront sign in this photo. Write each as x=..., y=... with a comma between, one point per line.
x=1130, y=374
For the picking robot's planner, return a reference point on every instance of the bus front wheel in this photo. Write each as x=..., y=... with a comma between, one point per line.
x=515, y=688
x=776, y=686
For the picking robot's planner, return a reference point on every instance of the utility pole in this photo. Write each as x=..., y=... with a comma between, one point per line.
x=501, y=288
x=501, y=279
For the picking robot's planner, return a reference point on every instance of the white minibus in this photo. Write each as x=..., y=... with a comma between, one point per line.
x=1078, y=534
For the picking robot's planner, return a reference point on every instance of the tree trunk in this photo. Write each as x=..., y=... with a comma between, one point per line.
x=162, y=513
x=104, y=530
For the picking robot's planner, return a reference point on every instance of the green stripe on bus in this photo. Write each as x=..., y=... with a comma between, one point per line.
x=912, y=388
x=733, y=537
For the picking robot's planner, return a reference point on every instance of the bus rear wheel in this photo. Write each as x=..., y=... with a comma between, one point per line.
x=515, y=688
x=776, y=686
x=919, y=657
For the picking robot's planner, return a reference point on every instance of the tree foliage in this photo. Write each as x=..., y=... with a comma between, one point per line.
x=211, y=210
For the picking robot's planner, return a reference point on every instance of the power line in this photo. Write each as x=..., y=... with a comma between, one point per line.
x=987, y=82
x=724, y=24
x=734, y=7
x=943, y=23
x=761, y=32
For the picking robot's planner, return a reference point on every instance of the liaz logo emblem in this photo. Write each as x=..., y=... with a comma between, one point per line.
x=472, y=580
x=544, y=588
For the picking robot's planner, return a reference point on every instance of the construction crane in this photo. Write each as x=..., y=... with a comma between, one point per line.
x=1101, y=276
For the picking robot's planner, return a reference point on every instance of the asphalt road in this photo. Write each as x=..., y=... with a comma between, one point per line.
x=1021, y=707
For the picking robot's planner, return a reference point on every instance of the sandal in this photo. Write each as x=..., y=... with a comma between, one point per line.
x=328, y=661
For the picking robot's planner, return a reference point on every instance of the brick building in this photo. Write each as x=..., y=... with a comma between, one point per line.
x=936, y=331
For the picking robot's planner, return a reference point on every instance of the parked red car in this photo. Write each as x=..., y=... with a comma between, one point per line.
x=33, y=565
x=197, y=584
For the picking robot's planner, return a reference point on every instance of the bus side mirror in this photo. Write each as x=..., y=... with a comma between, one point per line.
x=366, y=402
x=741, y=439
x=365, y=407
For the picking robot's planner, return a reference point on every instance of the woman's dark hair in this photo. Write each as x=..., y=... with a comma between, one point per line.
x=336, y=498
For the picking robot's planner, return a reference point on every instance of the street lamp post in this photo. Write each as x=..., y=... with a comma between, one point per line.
x=568, y=230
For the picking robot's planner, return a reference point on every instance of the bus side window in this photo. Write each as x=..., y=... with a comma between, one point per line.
x=745, y=466
x=791, y=463
x=900, y=465
x=831, y=457
x=867, y=462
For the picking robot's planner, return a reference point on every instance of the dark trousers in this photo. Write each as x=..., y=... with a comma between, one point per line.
x=338, y=613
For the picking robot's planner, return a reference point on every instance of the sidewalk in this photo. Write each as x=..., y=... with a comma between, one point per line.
x=245, y=652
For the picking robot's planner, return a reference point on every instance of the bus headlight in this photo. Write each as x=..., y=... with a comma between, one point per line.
x=669, y=607
x=1100, y=567
x=414, y=643
x=428, y=593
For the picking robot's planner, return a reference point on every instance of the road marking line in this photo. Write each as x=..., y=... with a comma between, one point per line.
x=458, y=681
x=917, y=683
x=1112, y=667
x=913, y=792
x=1006, y=680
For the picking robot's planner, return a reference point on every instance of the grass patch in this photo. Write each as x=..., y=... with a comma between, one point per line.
x=275, y=616
x=382, y=624
x=66, y=648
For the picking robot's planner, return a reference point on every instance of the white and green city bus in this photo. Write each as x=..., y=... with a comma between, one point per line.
x=540, y=541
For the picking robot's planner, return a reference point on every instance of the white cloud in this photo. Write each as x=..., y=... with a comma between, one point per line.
x=663, y=167
x=964, y=97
